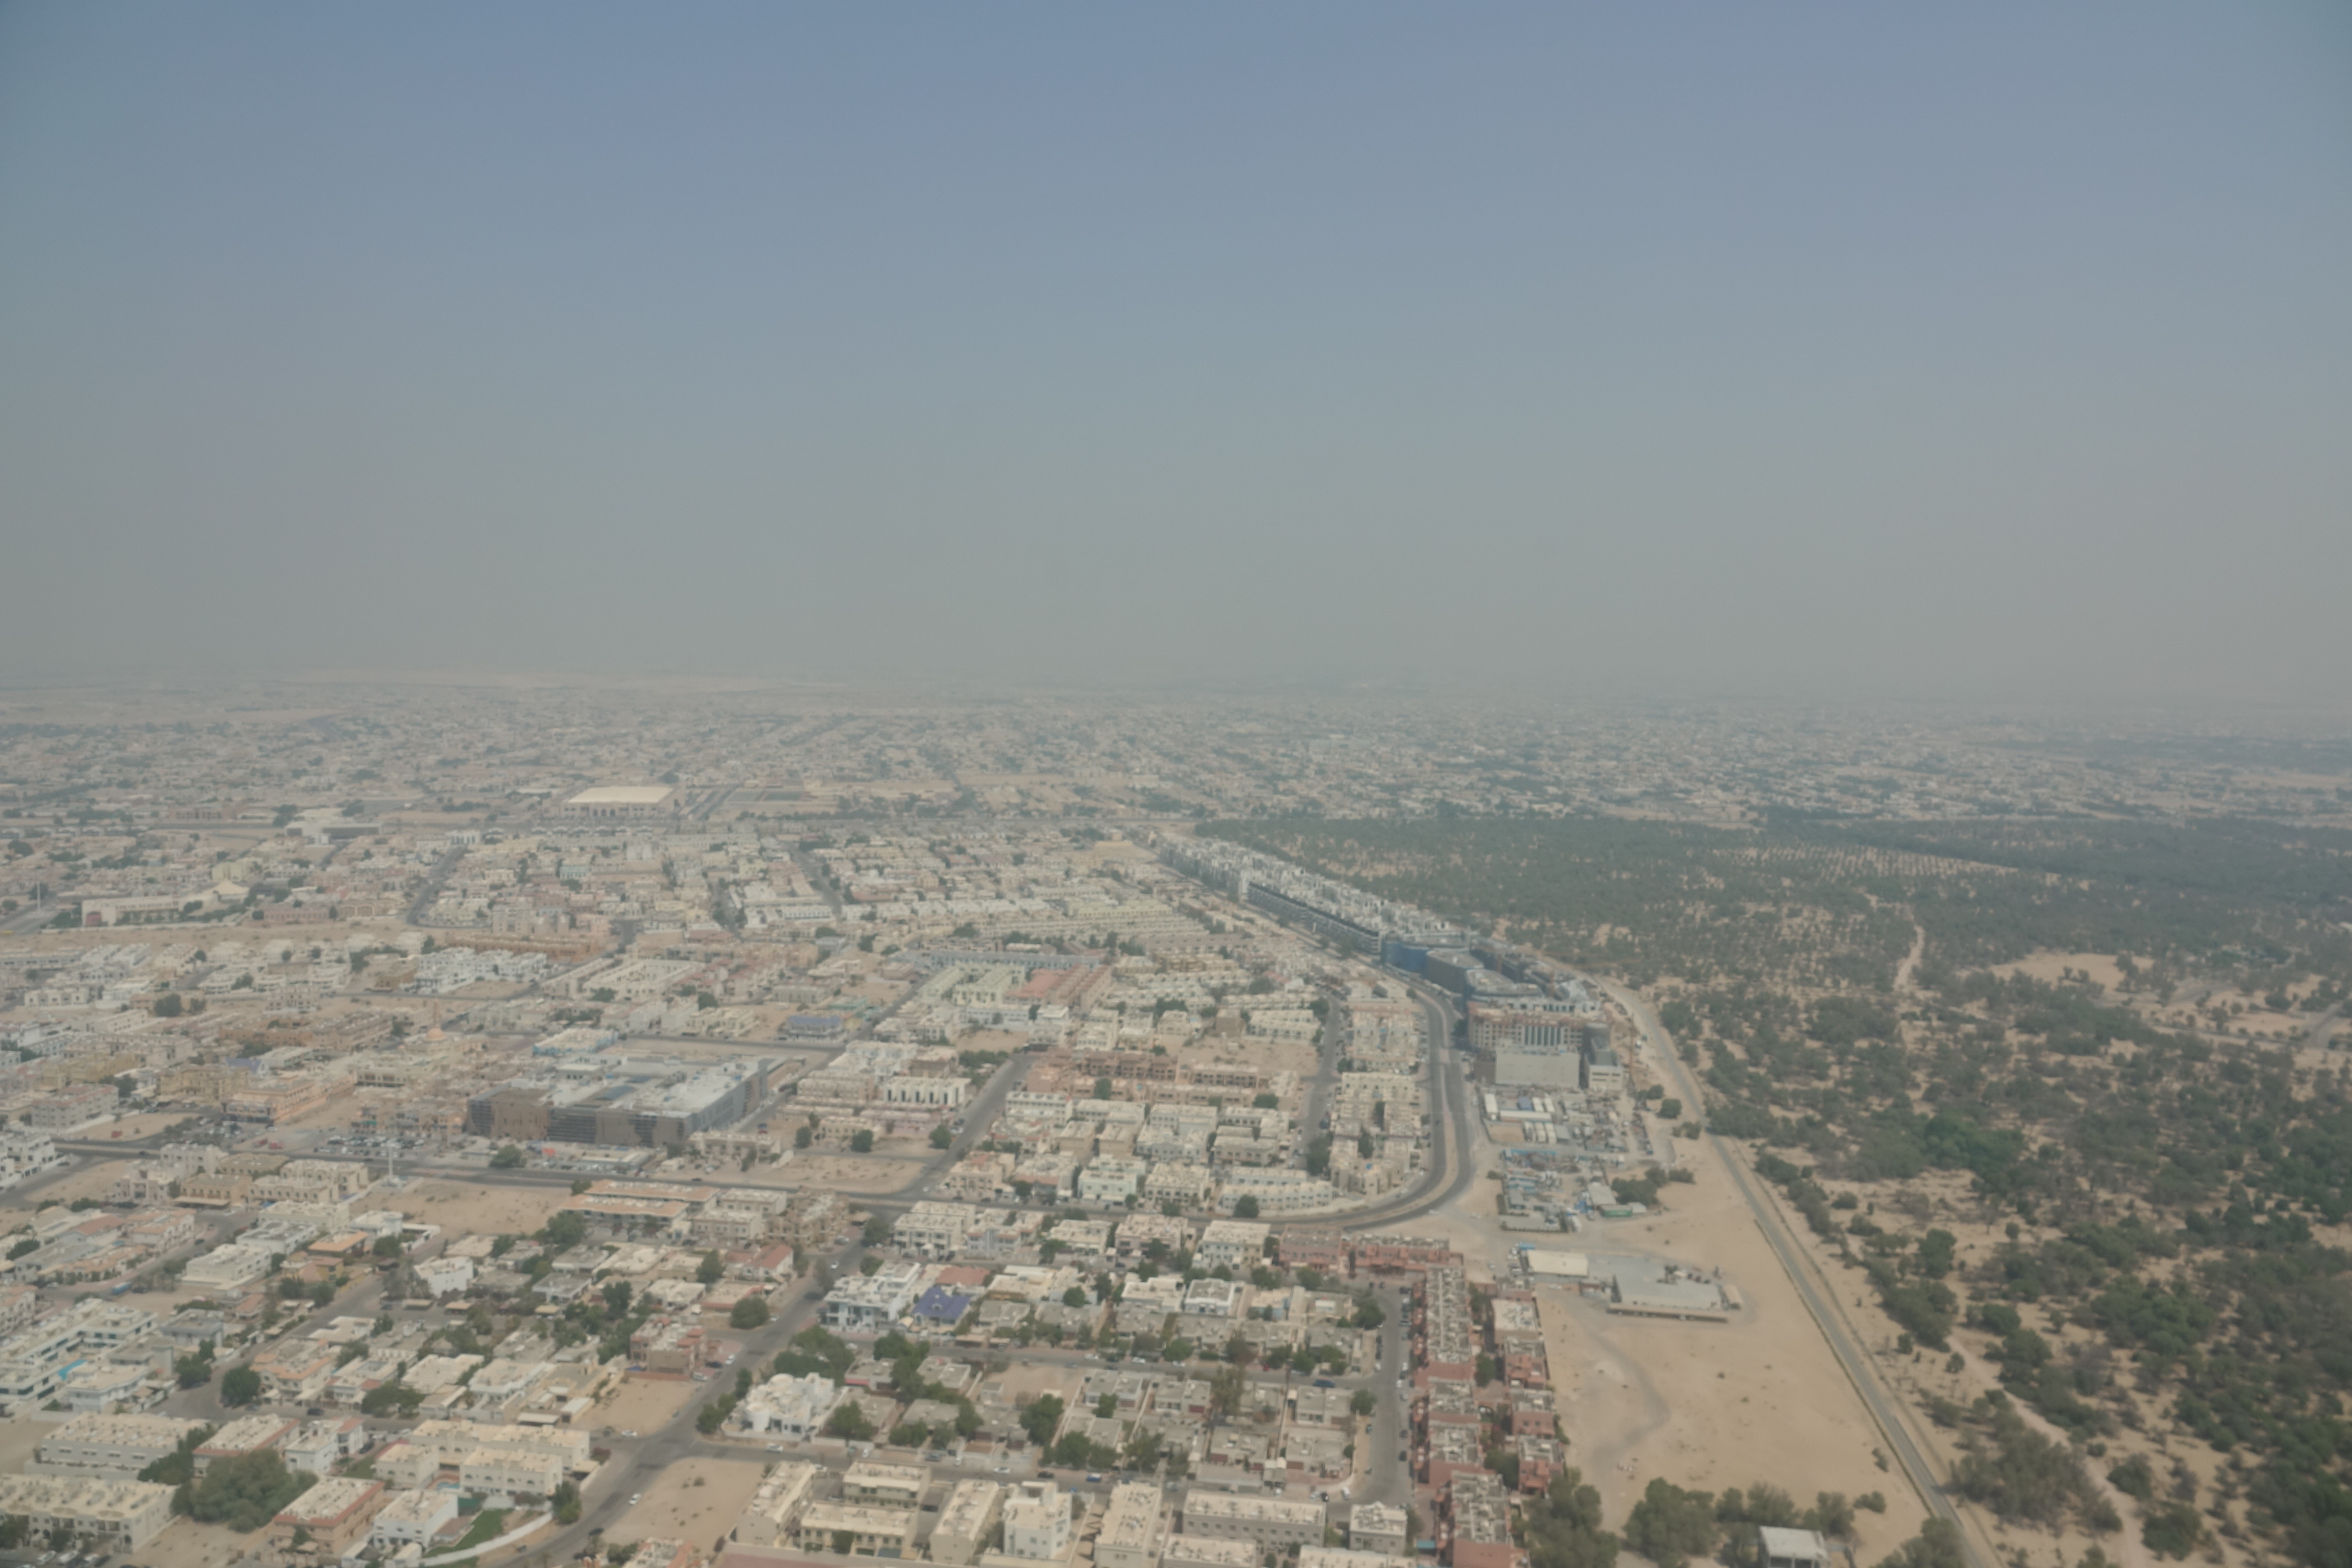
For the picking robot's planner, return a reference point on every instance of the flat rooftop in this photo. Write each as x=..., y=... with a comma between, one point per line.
x=623, y=794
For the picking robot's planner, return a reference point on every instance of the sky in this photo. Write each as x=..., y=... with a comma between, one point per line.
x=1998, y=352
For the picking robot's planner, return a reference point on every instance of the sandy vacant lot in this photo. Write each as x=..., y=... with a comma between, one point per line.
x=1715, y=1406
x=1269, y=1056
x=90, y=1179
x=642, y=1404
x=146, y=1124
x=1026, y=1381
x=185, y=1543
x=20, y=1437
x=459, y=1208
x=870, y=1174
x=2051, y=967
x=695, y=1502
x=1760, y=1398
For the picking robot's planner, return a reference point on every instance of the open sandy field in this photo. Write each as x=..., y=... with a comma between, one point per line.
x=693, y=1502
x=20, y=1437
x=2051, y=968
x=1269, y=1056
x=641, y=1405
x=185, y=1543
x=1026, y=1381
x=1760, y=1398
x=89, y=1180
x=870, y=1174
x=144, y=1124
x=460, y=1208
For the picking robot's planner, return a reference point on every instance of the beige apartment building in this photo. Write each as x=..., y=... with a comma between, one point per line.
x=1267, y=1523
x=970, y=1512
x=1129, y=1537
x=123, y=1515
x=867, y=1532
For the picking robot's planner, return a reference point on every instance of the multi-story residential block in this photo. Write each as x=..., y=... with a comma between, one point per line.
x=122, y=1515
x=1478, y=1511
x=1232, y=1243
x=1379, y=1527
x=851, y=1530
x=970, y=1512
x=1209, y=1551
x=1265, y=1522
x=872, y=1302
x=118, y=1446
x=522, y=1472
x=412, y=1517
x=1038, y=1521
x=331, y=1516
x=1132, y=1528
x=1112, y=1179
x=772, y=1516
x=874, y=1483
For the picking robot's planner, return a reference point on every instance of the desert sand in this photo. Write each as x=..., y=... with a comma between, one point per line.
x=695, y=1502
x=462, y=1208
x=874, y=1174
x=642, y=1405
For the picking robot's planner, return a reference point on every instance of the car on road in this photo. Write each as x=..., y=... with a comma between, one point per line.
x=636, y=1498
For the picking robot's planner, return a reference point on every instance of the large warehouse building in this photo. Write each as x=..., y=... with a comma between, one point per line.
x=622, y=802
x=635, y=1102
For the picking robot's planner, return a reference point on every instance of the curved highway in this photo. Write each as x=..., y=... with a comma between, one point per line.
x=1451, y=1169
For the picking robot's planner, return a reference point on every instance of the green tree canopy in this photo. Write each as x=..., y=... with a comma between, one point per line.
x=1670, y=1525
x=245, y=1492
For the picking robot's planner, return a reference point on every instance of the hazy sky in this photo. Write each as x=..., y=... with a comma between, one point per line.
x=1981, y=350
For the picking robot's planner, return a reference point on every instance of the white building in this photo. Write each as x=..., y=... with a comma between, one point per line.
x=1037, y=1522
x=113, y=1446
x=869, y=1303
x=1232, y=1243
x=1112, y=1179
x=444, y=1276
x=1264, y=1522
x=514, y=1470
x=230, y=1268
x=97, y=1387
x=412, y=1516
x=793, y=1408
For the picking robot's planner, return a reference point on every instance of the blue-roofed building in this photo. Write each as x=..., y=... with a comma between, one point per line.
x=940, y=1305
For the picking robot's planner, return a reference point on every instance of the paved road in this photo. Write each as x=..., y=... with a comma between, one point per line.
x=1387, y=1481
x=29, y=919
x=1451, y=1169
x=1785, y=1247
x=636, y=1463
x=430, y=889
